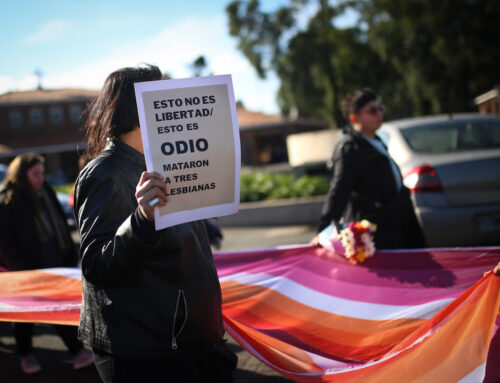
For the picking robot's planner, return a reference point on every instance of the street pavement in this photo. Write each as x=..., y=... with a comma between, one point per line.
x=56, y=361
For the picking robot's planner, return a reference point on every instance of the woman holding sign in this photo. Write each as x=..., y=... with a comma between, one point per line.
x=151, y=308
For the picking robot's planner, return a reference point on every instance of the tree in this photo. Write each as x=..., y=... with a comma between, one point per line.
x=446, y=52
x=323, y=63
x=198, y=66
x=317, y=66
x=422, y=56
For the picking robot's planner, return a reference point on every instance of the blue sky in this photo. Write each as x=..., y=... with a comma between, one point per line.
x=78, y=43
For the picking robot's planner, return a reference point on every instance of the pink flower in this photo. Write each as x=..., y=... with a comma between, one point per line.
x=357, y=240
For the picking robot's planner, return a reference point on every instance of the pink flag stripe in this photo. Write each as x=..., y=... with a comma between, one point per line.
x=402, y=316
x=44, y=296
x=336, y=305
x=450, y=347
x=398, y=287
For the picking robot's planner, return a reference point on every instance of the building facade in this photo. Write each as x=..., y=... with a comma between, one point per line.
x=489, y=102
x=47, y=122
x=264, y=137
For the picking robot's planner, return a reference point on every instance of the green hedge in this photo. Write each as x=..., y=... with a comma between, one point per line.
x=262, y=186
x=63, y=188
x=267, y=186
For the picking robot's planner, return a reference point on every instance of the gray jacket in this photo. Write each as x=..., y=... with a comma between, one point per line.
x=145, y=292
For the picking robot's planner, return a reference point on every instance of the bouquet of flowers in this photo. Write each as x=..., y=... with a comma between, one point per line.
x=357, y=240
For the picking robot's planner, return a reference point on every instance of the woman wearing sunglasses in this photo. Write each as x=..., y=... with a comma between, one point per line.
x=366, y=182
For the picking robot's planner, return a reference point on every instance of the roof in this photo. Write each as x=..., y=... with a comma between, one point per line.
x=46, y=96
x=492, y=94
x=248, y=120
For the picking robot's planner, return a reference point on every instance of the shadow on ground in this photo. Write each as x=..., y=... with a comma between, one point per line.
x=56, y=361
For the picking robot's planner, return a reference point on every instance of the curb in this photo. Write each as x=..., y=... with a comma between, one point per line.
x=293, y=211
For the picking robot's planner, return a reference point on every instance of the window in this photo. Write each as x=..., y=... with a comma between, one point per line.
x=454, y=136
x=36, y=116
x=384, y=136
x=15, y=118
x=75, y=113
x=56, y=115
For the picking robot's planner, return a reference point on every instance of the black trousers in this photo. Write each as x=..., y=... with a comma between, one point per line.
x=23, y=333
x=193, y=366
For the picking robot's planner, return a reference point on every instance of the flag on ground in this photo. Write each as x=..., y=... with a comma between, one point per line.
x=406, y=316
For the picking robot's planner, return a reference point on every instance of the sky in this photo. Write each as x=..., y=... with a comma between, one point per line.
x=77, y=43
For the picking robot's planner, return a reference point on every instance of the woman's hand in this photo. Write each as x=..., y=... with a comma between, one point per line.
x=315, y=241
x=150, y=187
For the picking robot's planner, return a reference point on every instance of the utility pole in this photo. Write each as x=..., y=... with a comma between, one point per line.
x=38, y=73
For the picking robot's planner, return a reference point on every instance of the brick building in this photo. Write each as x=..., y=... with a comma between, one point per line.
x=264, y=137
x=489, y=102
x=47, y=122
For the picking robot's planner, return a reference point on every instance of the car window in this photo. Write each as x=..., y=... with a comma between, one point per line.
x=454, y=136
x=3, y=172
x=384, y=136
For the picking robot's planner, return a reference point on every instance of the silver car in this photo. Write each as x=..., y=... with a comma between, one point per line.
x=3, y=172
x=451, y=163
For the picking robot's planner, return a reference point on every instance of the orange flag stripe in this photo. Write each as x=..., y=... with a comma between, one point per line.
x=71, y=317
x=350, y=337
x=41, y=284
x=452, y=352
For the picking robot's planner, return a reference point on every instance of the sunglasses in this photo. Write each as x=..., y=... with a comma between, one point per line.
x=375, y=109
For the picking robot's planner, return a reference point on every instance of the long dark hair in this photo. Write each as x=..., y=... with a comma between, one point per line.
x=17, y=177
x=114, y=111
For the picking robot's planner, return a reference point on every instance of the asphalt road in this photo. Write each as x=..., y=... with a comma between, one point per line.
x=56, y=361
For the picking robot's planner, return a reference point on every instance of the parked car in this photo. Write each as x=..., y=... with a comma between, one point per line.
x=68, y=211
x=451, y=164
x=3, y=172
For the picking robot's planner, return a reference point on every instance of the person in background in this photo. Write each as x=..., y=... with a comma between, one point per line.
x=366, y=182
x=83, y=159
x=151, y=308
x=34, y=235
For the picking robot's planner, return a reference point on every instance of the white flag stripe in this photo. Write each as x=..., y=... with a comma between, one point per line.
x=70, y=272
x=336, y=305
x=48, y=308
x=475, y=376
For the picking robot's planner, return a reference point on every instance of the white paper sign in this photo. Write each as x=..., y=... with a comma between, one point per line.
x=190, y=136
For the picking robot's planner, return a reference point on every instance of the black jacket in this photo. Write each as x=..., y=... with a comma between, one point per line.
x=145, y=292
x=20, y=246
x=363, y=187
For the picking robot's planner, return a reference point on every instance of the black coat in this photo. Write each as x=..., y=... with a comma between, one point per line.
x=144, y=291
x=363, y=187
x=19, y=241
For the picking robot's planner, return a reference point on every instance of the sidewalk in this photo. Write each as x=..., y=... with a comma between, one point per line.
x=56, y=362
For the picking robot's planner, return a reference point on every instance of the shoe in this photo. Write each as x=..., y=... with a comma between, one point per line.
x=83, y=359
x=30, y=365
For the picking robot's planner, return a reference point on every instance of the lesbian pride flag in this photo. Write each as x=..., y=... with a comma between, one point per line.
x=402, y=316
